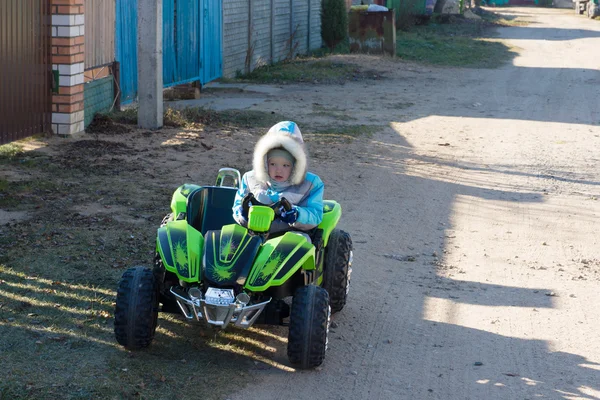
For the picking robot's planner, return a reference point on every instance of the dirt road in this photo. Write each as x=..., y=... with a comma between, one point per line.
x=486, y=185
x=474, y=212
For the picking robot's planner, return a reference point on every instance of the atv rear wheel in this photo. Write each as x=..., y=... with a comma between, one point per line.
x=136, y=309
x=338, y=267
x=309, y=327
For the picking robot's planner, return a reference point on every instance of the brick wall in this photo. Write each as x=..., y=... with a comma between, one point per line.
x=68, y=53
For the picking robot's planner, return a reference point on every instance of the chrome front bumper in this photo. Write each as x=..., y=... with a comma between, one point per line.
x=242, y=316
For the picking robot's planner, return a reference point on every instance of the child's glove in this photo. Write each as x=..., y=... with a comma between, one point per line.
x=289, y=217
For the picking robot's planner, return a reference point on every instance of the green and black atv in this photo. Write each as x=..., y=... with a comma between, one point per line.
x=209, y=268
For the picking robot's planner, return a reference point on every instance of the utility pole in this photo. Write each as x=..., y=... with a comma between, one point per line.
x=150, y=64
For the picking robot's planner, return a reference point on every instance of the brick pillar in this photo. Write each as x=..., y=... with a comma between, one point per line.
x=68, y=54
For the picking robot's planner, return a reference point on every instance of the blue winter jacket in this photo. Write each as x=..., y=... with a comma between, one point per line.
x=306, y=196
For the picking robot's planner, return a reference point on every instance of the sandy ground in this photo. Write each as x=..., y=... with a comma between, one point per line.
x=489, y=180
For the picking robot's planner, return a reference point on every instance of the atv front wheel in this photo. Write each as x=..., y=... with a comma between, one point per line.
x=309, y=326
x=136, y=309
x=338, y=267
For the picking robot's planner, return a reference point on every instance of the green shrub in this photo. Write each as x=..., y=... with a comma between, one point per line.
x=334, y=22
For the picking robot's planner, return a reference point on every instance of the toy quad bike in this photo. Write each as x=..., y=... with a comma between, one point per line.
x=209, y=268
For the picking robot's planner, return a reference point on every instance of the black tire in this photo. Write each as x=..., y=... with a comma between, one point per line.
x=309, y=327
x=338, y=268
x=136, y=309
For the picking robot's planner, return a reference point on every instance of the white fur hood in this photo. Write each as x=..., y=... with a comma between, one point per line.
x=287, y=135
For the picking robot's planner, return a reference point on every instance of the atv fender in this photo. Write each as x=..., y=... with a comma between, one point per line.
x=180, y=247
x=278, y=260
x=332, y=212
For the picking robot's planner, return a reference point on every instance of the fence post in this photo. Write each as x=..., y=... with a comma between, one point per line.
x=150, y=64
x=249, y=50
x=308, y=28
x=272, y=31
x=292, y=29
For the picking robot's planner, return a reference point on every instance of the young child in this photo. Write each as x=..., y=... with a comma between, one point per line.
x=280, y=170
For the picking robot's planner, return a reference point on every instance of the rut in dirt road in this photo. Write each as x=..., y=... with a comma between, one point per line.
x=474, y=218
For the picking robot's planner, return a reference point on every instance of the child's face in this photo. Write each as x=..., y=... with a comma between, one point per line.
x=279, y=169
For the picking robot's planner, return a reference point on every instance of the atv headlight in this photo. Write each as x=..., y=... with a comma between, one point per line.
x=243, y=299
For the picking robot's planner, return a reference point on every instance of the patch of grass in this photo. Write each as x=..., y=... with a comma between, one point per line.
x=459, y=44
x=502, y=19
x=302, y=70
x=128, y=116
x=334, y=115
x=10, y=151
x=196, y=117
x=321, y=110
x=322, y=107
x=250, y=119
x=401, y=105
x=341, y=48
x=193, y=117
x=12, y=193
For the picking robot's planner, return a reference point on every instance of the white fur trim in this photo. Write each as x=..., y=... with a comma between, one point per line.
x=272, y=141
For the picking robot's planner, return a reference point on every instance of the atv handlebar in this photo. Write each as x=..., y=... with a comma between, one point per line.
x=250, y=200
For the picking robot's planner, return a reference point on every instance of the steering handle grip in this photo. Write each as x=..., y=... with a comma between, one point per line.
x=287, y=206
x=249, y=200
x=246, y=203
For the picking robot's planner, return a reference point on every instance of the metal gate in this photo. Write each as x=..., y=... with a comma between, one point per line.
x=25, y=62
x=126, y=48
x=192, y=43
x=212, y=41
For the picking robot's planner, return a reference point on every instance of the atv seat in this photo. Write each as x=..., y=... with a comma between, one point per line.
x=210, y=208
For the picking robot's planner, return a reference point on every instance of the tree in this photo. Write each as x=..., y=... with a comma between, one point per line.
x=334, y=22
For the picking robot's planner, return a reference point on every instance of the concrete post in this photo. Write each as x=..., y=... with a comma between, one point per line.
x=150, y=64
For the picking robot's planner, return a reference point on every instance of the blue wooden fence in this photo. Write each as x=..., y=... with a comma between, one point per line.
x=125, y=48
x=192, y=43
x=212, y=42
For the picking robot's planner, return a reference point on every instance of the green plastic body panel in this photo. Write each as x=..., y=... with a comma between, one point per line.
x=332, y=212
x=180, y=247
x=278, y=260
x=179, y=199
x=229, y=255
x=260, y=218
